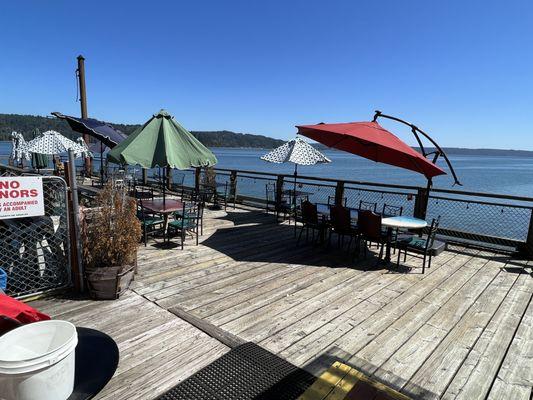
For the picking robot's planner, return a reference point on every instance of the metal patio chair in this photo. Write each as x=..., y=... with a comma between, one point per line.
x=340, y=223
x=186, y=222
x=424, y=247
x=331, y=201
x=370, y=228
x=310, y=221
x=151, y=223
x=367, y=206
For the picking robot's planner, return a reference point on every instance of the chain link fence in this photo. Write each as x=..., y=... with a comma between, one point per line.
x=35, y=250
x=354, y=195
x=478, y=220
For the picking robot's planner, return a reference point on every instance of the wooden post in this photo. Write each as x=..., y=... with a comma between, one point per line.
x=72, y=234
x=339, y=193
x=75, y=211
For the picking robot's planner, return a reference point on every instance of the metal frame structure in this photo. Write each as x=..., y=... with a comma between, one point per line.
x=417, y=132
x=36, y=251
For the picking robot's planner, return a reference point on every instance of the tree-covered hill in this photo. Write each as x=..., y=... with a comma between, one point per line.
x=27, y=124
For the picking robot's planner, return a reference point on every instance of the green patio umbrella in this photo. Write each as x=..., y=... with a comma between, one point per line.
x=162, y=142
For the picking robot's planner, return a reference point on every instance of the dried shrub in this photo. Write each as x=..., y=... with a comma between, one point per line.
x=111, y=235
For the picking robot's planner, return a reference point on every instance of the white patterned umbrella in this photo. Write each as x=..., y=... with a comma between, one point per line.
x=52, y=142
x=19, y=148
x=297, y=151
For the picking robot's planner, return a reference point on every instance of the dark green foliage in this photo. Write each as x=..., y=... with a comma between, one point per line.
x=26, y=124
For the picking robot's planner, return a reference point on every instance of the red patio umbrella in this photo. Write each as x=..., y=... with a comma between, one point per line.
x=372, y=141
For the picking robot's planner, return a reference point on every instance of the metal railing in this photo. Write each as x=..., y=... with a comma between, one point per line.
x=484, y=219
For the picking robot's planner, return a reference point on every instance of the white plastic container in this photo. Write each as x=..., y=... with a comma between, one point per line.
x=37, y=361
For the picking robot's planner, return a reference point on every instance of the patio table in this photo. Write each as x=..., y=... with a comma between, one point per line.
x=166, y=207
x=295, y=194
x=400, y=222
x=298, y=193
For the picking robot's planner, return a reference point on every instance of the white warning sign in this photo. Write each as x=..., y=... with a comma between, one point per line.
x=21, y=196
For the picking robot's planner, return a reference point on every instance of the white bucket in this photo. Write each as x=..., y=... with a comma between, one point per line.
x=37, y=361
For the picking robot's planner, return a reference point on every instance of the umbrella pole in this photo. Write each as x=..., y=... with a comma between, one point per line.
x=294, y=190
x=164, y=186
x=101, y=163
x=294, y=196
x=426, y=199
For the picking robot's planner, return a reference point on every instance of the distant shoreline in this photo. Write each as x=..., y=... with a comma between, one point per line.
x=449, y=150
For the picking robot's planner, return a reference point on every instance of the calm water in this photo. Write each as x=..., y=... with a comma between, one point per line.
x=505, y=175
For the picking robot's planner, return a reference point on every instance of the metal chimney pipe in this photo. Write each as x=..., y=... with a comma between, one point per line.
x=83, y=103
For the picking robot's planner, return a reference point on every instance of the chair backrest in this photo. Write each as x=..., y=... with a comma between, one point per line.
x=369, y=224
x=142, y=192
x=391, y=211
x=202, y=195
x=309, y=212
x=223, y=190
x=142, y=213
x=366, y=205
x=270, y=191
x=433, y=228
x=192, y=211
x=331, y=201
x=178, y=179
x=340, y=218
x=139, y=212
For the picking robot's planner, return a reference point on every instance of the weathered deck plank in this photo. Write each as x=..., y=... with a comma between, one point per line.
x=461, y=330
x=433, y=376
x=475, y=377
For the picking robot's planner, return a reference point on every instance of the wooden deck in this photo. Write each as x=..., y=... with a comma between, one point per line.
x=462, y=330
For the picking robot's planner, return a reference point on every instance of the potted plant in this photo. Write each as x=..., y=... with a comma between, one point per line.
x=110, y=239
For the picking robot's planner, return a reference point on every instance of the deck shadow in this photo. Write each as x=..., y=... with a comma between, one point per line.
x=247, y=216
x=266, y=241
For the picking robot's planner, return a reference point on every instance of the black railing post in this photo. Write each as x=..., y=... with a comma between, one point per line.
x=279, y=189
x=339, y=193
x=527, y=249
x=233, y=186
x=197, y=174
x=145, y=176
x=421, y=203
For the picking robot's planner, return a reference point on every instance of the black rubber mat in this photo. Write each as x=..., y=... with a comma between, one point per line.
x=97, y=359
x=246, y=372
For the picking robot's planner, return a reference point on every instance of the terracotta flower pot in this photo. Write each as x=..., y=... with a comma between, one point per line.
x=110, y=282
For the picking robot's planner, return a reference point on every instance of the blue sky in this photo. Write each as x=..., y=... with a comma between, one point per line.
x=461, y=70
